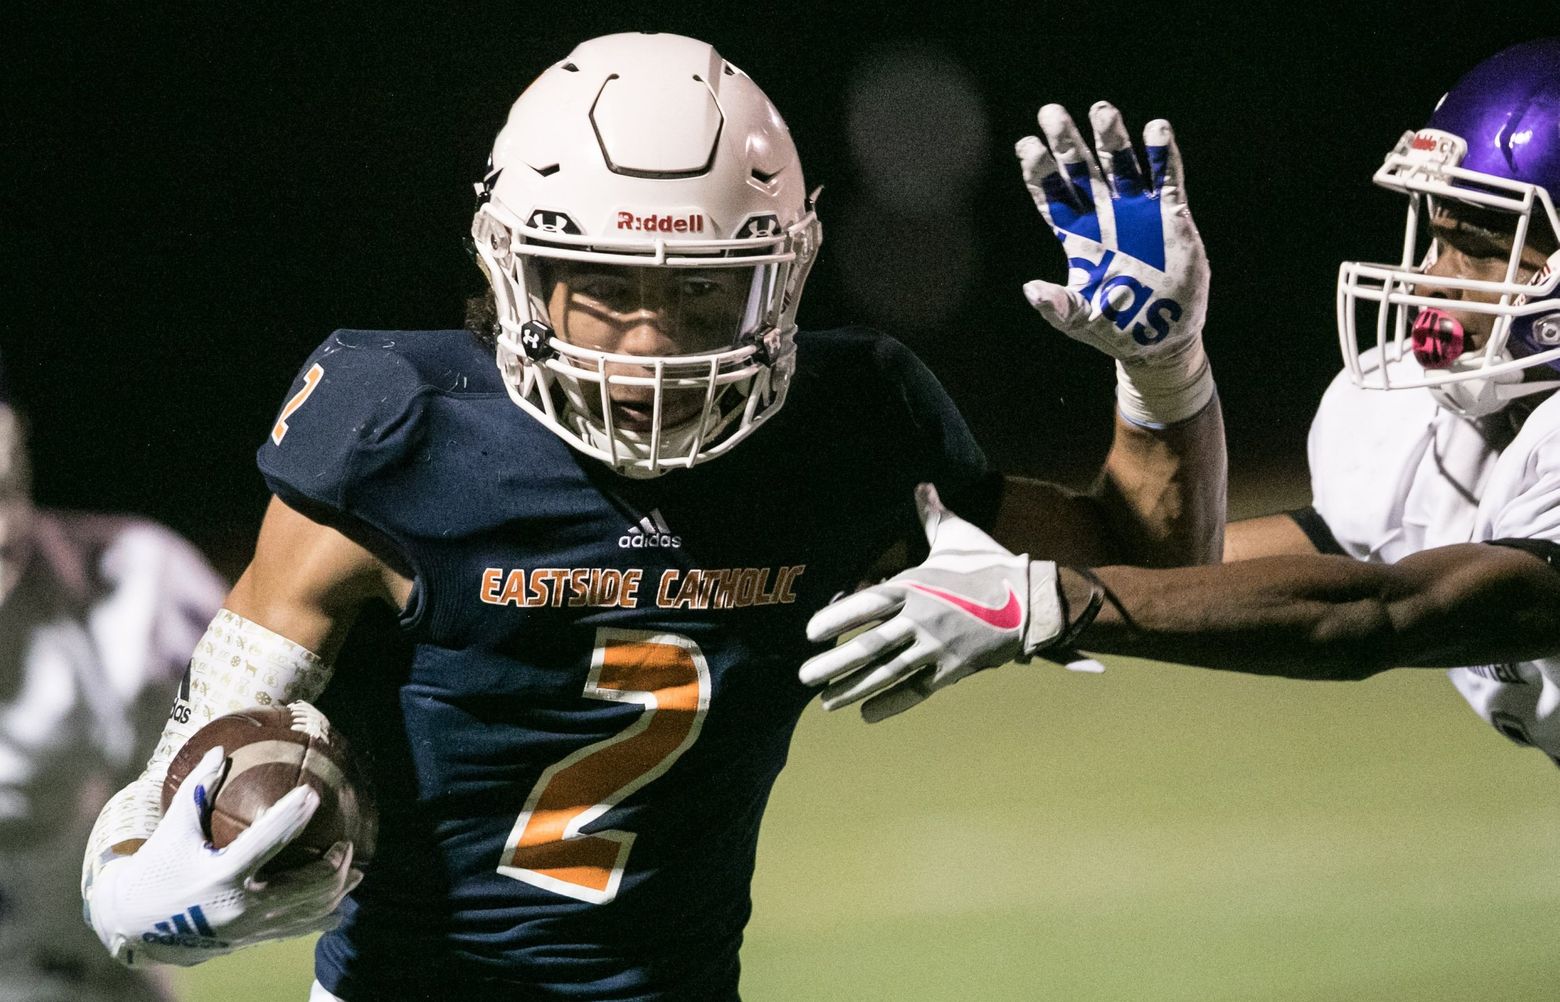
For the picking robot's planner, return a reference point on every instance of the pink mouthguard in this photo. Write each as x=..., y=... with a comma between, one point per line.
x=1438, y=338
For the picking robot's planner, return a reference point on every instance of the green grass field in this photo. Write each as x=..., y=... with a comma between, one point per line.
x=1154, y=833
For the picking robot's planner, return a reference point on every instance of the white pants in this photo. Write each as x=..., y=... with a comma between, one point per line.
x=318, y=994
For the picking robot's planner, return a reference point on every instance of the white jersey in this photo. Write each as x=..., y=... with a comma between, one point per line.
x=93, y=641
x=1392, y=474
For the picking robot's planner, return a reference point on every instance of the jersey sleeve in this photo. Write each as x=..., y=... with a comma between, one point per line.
x=161, y=594
x=939, y=444
x=142, y=596
x=1363, y=449
x=349, y=414
x=1527, y=492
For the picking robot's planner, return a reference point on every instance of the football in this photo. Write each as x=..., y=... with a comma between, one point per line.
x=270, y=751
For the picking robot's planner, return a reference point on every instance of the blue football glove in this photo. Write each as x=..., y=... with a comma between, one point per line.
x=1137, y=285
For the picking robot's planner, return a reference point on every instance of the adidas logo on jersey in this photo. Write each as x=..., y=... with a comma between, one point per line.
x=651, y=532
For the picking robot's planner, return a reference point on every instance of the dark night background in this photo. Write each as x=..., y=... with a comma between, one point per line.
x=193, y=200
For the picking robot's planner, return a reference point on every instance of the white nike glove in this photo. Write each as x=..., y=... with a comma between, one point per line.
x=177, y=900
x=970, y=605
x=1137, y=282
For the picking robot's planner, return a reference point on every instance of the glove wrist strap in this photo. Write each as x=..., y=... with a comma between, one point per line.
x=1159, y=393
x=1048, y=604
x=1078, y=624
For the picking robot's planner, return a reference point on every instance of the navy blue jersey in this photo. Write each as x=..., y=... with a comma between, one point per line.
x=572, y=759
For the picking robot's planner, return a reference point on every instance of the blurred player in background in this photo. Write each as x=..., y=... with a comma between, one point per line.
x=98, y=615
x=1433, y=539
x=604, y=548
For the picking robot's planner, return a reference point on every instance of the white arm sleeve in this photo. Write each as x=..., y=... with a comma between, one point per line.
x=237, y=664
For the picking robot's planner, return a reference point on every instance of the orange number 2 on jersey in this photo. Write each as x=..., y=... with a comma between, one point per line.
x=667, y=675
x=311, y=379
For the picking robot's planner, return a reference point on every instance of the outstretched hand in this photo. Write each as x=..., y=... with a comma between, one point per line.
x=970, y=605
x=1137, y=286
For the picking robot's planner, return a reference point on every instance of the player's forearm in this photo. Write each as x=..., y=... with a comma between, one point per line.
x=1163, y=490
x=1326, y=624
x=1322, y=617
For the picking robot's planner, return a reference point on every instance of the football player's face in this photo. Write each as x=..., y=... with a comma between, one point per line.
x=660, y=312
x=1474, y=244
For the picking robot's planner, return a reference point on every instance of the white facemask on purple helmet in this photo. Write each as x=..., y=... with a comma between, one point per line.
x=1492, y=143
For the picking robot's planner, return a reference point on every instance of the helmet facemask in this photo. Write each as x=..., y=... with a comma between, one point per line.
x=1487, y=164
x=1526, y=328
x=647, y=361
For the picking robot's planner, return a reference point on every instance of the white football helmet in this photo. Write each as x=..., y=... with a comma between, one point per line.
x=637, y=175
x=1492, y=143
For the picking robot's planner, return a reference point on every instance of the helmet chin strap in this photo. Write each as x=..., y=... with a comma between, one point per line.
x=1475, y=398
x=1439, y=341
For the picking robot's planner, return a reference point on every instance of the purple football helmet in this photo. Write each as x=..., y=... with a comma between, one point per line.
x=1493, y=142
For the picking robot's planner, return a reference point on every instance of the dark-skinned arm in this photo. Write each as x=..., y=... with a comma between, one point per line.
x=1328, y=617
x=1159, y=501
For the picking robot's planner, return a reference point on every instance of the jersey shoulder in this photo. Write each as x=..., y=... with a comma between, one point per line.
x=1357, y=435
x=1539, y=437
x=360, y=402
x=1523, y=496
x=1364, y=452
x=854, y=352
x=1351, y=416
x=143, y=593
x=862, y=393
x=861, y=372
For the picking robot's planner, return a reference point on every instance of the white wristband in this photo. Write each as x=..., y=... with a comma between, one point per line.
x=1167, y=390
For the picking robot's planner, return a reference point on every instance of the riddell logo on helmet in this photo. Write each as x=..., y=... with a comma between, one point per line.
x=691, y=222
x=1435, y=146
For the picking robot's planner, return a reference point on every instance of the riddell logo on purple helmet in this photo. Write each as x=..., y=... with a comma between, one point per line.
x=1434, y=146
x=691, y=222
x=1432, y=141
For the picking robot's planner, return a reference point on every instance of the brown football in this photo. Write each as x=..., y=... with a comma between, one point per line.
x=270, y=751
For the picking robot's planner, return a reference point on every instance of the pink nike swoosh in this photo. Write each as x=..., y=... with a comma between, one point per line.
x=1006, y=617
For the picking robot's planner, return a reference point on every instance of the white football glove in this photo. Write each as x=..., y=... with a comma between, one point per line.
x=177, y=900
x=970, y=605
x=1137, y=282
